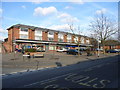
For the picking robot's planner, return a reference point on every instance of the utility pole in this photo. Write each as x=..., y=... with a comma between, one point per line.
x=98, y=47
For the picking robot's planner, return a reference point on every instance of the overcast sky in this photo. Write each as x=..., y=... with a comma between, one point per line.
x=54, y=15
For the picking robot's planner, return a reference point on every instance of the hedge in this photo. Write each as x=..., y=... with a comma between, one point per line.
x=30, y=50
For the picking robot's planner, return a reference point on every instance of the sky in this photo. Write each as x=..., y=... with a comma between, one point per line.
x=54, y=15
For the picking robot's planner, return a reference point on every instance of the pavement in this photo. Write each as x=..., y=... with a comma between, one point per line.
x=97, y=73
x=13, y=63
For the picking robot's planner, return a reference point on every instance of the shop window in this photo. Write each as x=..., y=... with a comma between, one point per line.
x=51, y=47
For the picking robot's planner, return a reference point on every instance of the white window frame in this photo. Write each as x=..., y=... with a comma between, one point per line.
x=23, y=32
x=82, y=40
x=88, y=41
x=60, y=37
x=23, y=37
x=38, y=33
x=69, y=38
x=76, y=39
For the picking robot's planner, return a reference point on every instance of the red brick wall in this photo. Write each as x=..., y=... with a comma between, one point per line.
x=65, y=37
x=16, y=33
x=110, y=47
x=73, y=38
x=7, y=46
x=13, y=34
x=85, y=40
x=56, y=36
x=31, y=34
x=44, y=35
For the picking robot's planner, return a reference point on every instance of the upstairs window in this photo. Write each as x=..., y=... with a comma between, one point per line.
x=68, y=38
x=23, y=36
x=82, y=39
x=38, y=37
x=51, y=33
x=24, y=29
x=60, y=37
x=38, y=32
x=50, y=39
x=76, y=39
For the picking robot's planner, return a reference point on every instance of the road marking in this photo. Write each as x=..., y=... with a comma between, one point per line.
x=87, y=81
x=97, y=66
x=48, y=80
x=103, y=84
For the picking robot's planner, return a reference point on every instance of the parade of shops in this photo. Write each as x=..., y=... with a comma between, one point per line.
x=26, y=36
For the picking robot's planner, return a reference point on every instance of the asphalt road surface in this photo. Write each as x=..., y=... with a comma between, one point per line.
x=101, y=73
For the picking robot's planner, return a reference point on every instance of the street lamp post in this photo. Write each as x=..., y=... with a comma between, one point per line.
x=98, y=47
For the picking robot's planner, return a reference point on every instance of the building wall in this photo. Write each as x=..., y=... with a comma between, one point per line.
x=73, y=38
x=44, y=35
x=14, y=33
x=112, y=47
x=31, y=34
x=65, y=37
x=55, y=36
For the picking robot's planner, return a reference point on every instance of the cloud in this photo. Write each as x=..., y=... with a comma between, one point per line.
x=63, y=27
x=1, y=10
x=2, y=37
x=65, y=17
x=3, y=31
x=24, y=7
x=68, y=7
x=39, y=1
x=77, y=1
x=103, y=10
x=44, y=11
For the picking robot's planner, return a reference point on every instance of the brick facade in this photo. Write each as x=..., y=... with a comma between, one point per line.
x=45, y=35
x=73, y=38
x=14, y=33
x=31, y=34
x=55, y=36
x=65, y=38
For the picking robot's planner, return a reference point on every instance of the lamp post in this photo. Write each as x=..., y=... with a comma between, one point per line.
x=98, y=47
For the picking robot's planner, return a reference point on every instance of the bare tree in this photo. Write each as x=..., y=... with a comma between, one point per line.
x=74, y=29
x=103, y=28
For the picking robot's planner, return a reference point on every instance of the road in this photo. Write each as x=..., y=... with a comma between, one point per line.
x=100, y=73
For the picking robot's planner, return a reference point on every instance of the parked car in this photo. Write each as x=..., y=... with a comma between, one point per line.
x=99, y=49
x=73, y=51
x=62, y=50
x=113, y=51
